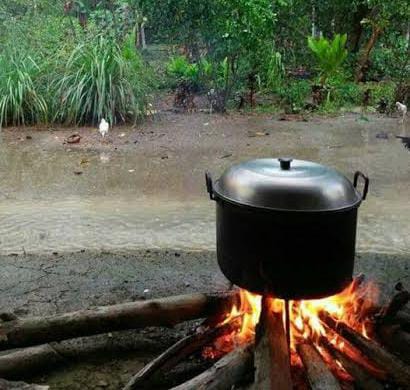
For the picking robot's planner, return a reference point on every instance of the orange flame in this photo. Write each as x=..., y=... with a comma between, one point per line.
x=351, y=306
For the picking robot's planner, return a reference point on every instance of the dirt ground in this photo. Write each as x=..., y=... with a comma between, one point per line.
x=47, y=284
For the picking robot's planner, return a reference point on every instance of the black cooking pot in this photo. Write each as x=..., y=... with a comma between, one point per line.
x=286, y=227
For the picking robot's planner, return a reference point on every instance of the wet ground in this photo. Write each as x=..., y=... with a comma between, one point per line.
x=143, y=187
x=92, y=223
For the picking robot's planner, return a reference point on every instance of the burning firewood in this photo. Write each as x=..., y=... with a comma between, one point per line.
x=232, y=369
x=157, y=312
x=272, y=361
x=180, y=350
x=398, y=370
x=319, y=375
x=363, y=380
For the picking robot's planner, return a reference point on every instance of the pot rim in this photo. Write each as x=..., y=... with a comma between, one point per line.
x=218, y=196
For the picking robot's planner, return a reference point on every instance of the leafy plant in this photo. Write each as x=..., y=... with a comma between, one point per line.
x=101, y=80
x=275, y=73
x=329, y=54
x=20, y=100
x=294, y=95
x=182, y=70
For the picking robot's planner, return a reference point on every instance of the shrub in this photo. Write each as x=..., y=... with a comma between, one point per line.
x=101, y=80
x=20, y=100
x=329, y=54
x=294, y=95
x=381, y=91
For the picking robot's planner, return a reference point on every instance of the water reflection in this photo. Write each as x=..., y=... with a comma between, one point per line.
x=126, y=199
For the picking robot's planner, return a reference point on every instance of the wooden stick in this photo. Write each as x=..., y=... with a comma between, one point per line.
x=232, y=369
x=398, y=370
x=363, y=380
x=397, y=303
x=30, y=361
x=319, y=375
x=271, y=351
x=179, y=351
x=7, y=385
x=396, y=340
x=157, y=312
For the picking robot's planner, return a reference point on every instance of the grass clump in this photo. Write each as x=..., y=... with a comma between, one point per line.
x=101, y=79
x=20, y=100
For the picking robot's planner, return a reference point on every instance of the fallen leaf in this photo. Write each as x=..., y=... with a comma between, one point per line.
x=73, y=139
x=131, y=170
x=78, y=172
x=84, y=161
x=258, y=134
x=226, y=155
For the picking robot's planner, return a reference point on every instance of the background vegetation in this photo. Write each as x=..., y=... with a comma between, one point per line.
x=72, y=61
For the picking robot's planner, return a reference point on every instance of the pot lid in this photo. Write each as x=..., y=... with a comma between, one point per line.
x=288, y=185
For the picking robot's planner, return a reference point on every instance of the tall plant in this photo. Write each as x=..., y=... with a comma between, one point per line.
x=101, y=80
x=20, y=99
x=329, y=54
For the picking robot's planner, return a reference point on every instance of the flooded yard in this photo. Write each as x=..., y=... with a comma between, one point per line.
x=144, y=186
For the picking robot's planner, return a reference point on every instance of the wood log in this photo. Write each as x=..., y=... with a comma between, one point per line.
x=396, y=340
x=403, y=319
x=272, y=361
x=24, y=363
x=156, y=312
x=319, y=375
x=179, y=351
x=232, y=369
x=397, y=369
x=7, y=385
x=389, y=311
x=362, y=379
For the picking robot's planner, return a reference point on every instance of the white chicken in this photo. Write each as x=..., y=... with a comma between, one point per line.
x=103, y=127
x=402, y=108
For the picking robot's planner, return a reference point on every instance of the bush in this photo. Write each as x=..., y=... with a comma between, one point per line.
x=344, y=92
x=196, y=75
x=294, y=95
x=20, y=100
x=101, y=80
x=381, y=91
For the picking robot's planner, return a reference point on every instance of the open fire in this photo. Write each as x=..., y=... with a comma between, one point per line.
x=353, y=306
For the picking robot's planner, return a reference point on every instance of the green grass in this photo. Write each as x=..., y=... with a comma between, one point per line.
x=20, y=100
x=101, y=80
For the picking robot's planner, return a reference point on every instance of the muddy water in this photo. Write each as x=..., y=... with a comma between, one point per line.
x=144, y=187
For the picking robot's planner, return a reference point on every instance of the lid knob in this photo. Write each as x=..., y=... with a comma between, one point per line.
x=285, y=163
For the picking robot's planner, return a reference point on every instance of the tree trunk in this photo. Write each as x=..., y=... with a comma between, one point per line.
x=142, y=35
x=361, y=12
x=363, y=62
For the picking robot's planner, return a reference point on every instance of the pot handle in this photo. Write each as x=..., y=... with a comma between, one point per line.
x=209, y=185
x=366, y=183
